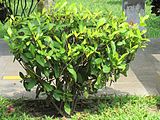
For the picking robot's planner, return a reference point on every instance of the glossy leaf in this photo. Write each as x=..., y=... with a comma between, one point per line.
x=47, y=87
x=106, y=69
x=29, y=83
x=40, y=60
x=72, y=72
x=67, y=108
x=101, y=22
x=9, y=31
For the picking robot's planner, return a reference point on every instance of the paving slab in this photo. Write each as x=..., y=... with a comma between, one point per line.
x=143, y=75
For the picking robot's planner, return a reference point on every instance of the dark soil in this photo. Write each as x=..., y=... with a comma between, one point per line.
x=37, y=108
x=40, y=108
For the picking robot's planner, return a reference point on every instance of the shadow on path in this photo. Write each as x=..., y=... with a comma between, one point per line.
x=146, y=67
x=4, y=51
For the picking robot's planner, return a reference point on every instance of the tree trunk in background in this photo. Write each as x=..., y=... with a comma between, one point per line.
x=45, y=4
x=48, y=3
x=132, y=10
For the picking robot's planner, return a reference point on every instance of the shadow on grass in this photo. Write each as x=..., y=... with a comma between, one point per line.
x=40, y=107
x=113, y=107
x=93, y=105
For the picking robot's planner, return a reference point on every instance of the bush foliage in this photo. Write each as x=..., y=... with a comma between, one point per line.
x=70, y=52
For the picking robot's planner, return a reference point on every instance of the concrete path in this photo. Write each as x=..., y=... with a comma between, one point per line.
x=12, y=88
x=143, y=76
x=144, y=73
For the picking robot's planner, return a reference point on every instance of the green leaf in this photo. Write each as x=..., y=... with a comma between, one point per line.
x=134, y=48
x=109, y=52
x=48, y=39
x=25, y=59
x=69, y=49
x=50, y=26
x=101, y=22
x=98, y=61
x=79, y=77
x=122, y=66
x=28, y=43
x=122, y=58
x=56, y=70
x=106, y=69
x=57, y=39
x=28, y=55
x=67, y=108
x=56, y=45
x=41, y=45
x=40, y=60
x=113, y=46
x=46, y=72
x=32, y=49
x=72, y=72
x=121, y=43
x=29, y=83
x=86, y=95
x=57, y=95
x=98, y=81
x=47, y=87
x=9, y=31
x=82, y=28
x=143, y=19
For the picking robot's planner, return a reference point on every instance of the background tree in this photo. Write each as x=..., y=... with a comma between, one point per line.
x=44, y=4
x=133, y=8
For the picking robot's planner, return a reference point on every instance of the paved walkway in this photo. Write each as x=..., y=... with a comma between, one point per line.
x=10, y=88
x=143, y=76
x=144, y=73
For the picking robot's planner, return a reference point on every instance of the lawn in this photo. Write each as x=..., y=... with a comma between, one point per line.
x=108, y=108
x=153, y=23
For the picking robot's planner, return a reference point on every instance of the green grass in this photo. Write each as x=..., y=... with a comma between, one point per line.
x=109, y=108
x=153, y=24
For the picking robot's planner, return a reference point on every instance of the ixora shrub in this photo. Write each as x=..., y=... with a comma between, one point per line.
x=71, y=52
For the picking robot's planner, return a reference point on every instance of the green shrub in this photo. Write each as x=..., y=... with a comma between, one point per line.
x=148, y=2
x=71, y=52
